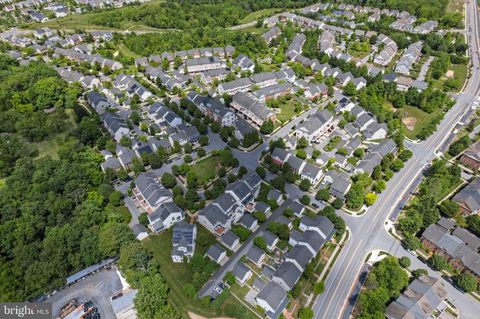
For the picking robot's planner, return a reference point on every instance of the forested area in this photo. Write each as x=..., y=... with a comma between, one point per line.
x=155, y=43
x=57, y=216
x=184, y=14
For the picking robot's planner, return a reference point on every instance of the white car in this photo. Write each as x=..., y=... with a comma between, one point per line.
x=218, y=289
x=412, y=252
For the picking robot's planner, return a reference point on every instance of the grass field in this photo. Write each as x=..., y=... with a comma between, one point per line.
x=83, y=21
x=422, y=118
x=456, y=6
x=177, y=275
x=206, y=169
x=287, y=110
x=260, y=14
x=49, y=146
x=460, y=73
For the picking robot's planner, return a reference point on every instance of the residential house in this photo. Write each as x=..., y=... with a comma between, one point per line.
x=287, y=275
x=248, y=221
x=318, y=125
x=149, y=192
x=183, y=241
x=244, y=63
x=256, y=255
x=216, y=253
x=471, y=157
x=300, y=256
x=165, y=216
x=271, y=240
x=252, y=109
x=469, y=198
x=98, y=101
x=272, y=299
x=271, y=34
x=115, y=125
x=424, y=297
x=242, y=273
x=230, y=240
x=202, y=64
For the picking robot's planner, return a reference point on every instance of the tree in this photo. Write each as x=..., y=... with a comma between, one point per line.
x=288, y=212
x=133, y=257
x=143, y=219
x=323, y=195
x=337, y=203
x=151, y=300
x=203, y=140
x=417, y=273
x=115, y=198
x=260, y=243
x=379, y=186
x=405, y=155
x=259, y=216
x=135, y=117
x=305, y=200
x=301, y=154
x=187, y=148
x=370, y=198
x=168, y=180
x=350, y=89
x=125, y=141
x=449, y=208
x=467, y=282
x=305, y=185
x=241, y=232
x=319, y=287
x=279, y=183
x=281, y=230
x=305, y=313
x=201, y=152
x=267, y=127
x=396, y=165
x=404, y=262
x=439, y=262
x=229, y=278
x=411, y=242
x=355, y=196
x=261, y=171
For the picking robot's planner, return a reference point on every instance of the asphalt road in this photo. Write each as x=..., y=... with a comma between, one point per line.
x=368, y=233
x=98, y=288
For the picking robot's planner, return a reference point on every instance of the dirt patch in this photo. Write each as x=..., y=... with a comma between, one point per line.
x=409, y=122
x=450, y=74
x=195, y=316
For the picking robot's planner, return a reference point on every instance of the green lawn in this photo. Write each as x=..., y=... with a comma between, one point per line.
x=177, y=275
x=422, y=118
x=126, y=52
x=287, y=111
x=456, y=6
x=83, y=21
x=260, y=14
x=206, y=169
x=49, y=146
x=460, y=73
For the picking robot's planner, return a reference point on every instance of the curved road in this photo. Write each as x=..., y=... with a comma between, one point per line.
x=367, y=232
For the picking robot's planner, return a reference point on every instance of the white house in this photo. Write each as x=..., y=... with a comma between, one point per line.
x=165, y=217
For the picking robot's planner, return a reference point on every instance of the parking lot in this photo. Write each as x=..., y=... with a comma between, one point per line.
x=97, y=288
